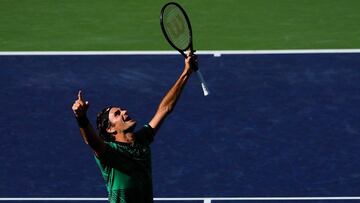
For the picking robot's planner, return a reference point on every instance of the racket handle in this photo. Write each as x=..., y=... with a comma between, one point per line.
x=203, y=84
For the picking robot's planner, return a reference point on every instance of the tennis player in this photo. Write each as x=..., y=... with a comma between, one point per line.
x=123, y=154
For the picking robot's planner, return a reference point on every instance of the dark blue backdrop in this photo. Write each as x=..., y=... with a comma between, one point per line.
x=274, y=125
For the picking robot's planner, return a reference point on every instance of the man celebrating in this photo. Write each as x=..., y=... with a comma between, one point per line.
x=123, y=155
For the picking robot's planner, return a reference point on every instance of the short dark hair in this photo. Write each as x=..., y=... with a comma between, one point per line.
x=103, y=123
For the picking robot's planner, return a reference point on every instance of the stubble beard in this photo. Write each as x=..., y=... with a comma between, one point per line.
x=130, y=128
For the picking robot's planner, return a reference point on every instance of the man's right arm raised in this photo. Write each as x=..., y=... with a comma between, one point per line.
x=88, y=133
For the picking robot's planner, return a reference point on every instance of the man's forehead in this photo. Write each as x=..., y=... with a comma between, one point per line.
x=113, y=109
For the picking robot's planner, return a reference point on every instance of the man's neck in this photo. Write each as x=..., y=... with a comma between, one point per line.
x=125, y=137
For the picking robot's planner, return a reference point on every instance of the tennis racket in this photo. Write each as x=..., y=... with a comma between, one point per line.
x=176, y=28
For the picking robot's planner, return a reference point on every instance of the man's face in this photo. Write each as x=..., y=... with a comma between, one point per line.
x=120, y=120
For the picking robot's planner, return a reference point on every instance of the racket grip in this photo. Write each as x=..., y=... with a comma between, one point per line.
x=203, y=84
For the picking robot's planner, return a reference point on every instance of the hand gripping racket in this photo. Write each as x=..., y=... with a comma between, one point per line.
x=176, y=27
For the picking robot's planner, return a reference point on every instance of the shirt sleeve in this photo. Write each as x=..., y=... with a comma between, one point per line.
x=145, y=135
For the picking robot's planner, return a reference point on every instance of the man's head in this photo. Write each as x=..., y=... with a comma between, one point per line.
x=112, y=121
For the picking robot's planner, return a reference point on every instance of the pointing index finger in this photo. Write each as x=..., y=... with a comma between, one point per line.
x=80, y=96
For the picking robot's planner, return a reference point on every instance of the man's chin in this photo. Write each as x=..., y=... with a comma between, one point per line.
x=131, y=127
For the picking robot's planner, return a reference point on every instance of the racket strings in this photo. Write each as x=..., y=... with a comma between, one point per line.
x=176, y=27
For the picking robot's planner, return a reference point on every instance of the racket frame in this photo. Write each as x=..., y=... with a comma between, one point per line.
x=190, y=45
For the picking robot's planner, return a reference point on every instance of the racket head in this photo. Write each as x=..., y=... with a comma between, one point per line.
x=176, y=27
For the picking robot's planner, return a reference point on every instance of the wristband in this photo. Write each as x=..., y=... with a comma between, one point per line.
x=83, y=121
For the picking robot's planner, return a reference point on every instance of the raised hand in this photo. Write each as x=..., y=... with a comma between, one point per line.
x=191, y=61
x=80, y=106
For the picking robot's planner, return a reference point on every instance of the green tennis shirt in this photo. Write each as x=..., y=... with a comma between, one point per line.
x=126, y=169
